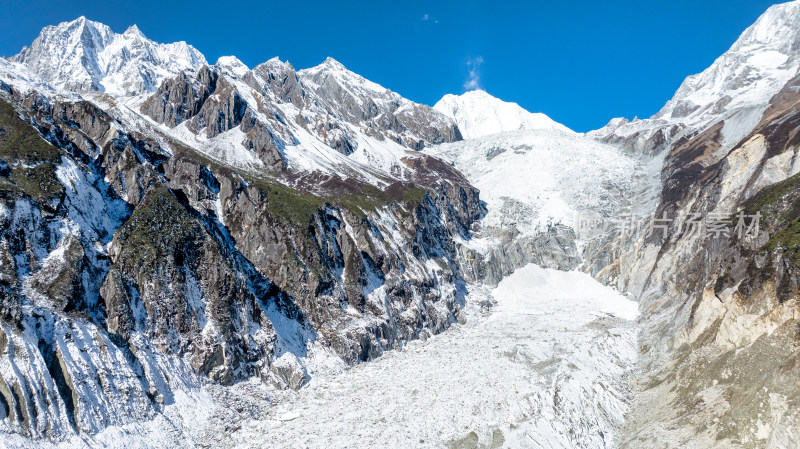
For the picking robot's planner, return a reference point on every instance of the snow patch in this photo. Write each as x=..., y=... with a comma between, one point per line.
x=768, y=59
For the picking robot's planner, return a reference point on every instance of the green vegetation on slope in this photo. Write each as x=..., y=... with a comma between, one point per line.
x=157, y=229
x=28, y=161
x=297, y=207
x=777, y=200
x=779, y=205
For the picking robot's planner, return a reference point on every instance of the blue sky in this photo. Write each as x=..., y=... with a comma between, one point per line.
x=580, y=62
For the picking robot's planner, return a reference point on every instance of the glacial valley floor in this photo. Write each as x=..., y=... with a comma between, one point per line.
x=548, y=367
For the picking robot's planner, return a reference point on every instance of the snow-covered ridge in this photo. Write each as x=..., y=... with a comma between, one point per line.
x=330, y=68
x=479, y=114
x=86, y=55
x=23, y=80
x=736, y=87
x=340, y=88
x=324, y=119
x=232, y=66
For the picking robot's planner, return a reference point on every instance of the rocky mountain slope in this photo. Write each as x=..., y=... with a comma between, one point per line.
x=717, y=286
x=168, y=224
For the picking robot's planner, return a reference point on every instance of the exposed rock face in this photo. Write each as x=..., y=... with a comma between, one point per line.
x=275, y=107
x=179, y=99
x=553, y=248
x=280, y=78
x=721, y=331
x=171, y=282
x=381, y=112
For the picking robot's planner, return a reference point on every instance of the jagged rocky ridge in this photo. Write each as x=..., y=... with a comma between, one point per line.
x=140, y=259
x=83, y=55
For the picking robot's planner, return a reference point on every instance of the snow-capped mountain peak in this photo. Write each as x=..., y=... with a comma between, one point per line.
x=85, y=55
x=333, y=70
x=756, y=66
x=735, y=89
x=479, y=114
x=133, y=30
x=232, y=66
x=332, y=63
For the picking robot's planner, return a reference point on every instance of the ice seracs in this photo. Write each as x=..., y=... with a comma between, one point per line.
x=555, y=353
x=479, y=114
x=554, y=175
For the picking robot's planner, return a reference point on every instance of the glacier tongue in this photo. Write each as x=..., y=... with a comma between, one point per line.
x=546, y=368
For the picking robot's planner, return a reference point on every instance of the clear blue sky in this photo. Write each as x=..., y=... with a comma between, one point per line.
x=580, y=62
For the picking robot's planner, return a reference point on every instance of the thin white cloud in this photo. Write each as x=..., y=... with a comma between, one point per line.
x=473, y=81
x=428, y=18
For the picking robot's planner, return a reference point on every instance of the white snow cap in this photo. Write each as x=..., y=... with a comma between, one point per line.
x=231, y=65
x=479, y=114
x=82, y=55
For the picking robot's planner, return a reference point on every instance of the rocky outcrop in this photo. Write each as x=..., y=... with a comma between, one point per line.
x=382, y=113
x=173, y=284
x=554, y=248
x=179, y=99
x=279, y=79
x=220, y=112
